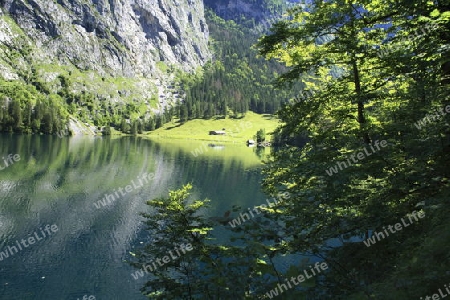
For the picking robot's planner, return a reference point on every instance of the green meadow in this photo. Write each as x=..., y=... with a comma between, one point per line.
x=237, y=130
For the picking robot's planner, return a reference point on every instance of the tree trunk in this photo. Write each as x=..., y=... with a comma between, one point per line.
x=361, y=117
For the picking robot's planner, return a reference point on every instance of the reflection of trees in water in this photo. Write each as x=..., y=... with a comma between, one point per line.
x=260, y=152
x=52, y=168
x=49, y=154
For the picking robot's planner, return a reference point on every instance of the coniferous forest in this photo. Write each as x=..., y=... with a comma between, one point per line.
x=238, y=80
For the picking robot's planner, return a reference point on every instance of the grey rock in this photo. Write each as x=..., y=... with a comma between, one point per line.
x=115, y=37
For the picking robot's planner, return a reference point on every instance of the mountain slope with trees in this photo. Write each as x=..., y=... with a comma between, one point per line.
x=237, y=80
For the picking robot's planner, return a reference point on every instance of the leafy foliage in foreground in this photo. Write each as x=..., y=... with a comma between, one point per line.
x=392, y=60
x=241, y=268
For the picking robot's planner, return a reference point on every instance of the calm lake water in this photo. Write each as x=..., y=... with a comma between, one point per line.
x=58, y=180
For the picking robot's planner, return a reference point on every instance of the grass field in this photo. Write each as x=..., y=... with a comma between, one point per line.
x=237, y=130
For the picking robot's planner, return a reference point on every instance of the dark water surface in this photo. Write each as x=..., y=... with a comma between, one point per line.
x=58, y=180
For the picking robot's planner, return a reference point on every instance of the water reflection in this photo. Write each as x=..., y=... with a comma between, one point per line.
x=58, y=180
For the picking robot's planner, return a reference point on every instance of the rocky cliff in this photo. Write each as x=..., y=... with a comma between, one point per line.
x=113, y=36
x=102, y=40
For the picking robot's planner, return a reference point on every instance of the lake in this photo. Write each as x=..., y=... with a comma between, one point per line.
x=59, y=182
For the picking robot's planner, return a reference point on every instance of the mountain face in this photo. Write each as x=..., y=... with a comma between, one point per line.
x=248, y=9
x=111, y=36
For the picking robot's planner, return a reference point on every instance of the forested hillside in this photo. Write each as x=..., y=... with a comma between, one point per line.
x=246, y=12
x=238, y=79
